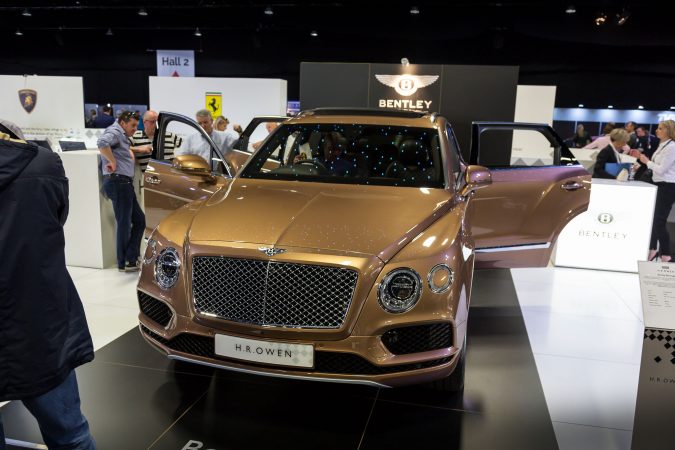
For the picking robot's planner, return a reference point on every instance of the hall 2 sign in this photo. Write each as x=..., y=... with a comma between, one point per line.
x=175, y=63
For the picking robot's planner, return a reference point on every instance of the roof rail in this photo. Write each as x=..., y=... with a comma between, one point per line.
x=339, y=111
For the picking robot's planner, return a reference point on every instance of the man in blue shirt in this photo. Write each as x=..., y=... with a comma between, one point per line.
x=105, y=119
x=117, y=165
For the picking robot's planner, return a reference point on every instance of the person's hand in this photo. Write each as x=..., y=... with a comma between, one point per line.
x=145, y=149
x=131, y=152
x=299, y=157
x=644, y=159
x=635, y=153
x=111, y=166
x=237, y=128
x=256, y=145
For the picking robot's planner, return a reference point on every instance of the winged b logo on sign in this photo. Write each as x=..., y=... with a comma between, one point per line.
x=28, y=99
x=407, y=85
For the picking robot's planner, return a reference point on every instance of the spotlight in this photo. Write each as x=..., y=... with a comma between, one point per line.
x=314, y=33
x=571, y=9
x=26, y=13
x=641, y=107
x=405, y=62
x=142, y=12
x=672, y=107
x=109, y=32
x=269, y=11
x=622, y=17
x=581, y=105
x=601, y=19
x=414, y=10
x=197, y=33
x=18, y=32
x=610, y=107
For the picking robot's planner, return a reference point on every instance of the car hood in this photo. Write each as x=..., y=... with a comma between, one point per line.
x=374, y=220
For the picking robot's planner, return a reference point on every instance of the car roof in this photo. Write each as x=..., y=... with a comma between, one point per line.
x=367, y=116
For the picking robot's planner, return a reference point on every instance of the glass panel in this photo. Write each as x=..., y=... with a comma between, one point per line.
x=354, y=154
x=515, y=148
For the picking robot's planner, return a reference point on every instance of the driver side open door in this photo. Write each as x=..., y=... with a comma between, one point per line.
x=537, y=188
x=168, y=184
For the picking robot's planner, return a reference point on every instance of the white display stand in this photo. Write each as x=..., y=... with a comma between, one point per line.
x=90, y=228
x=614, y=233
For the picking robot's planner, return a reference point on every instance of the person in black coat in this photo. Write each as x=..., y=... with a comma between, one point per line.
x=43, y=329
x=610, y=154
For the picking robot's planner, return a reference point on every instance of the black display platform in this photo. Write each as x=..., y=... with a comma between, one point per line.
x=135, y=398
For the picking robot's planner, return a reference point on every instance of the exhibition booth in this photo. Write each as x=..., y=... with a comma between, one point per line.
x=135, y=397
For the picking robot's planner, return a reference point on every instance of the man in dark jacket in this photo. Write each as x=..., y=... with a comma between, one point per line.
x=43, y=329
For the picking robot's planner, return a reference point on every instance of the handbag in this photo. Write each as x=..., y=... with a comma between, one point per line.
x=646, y=176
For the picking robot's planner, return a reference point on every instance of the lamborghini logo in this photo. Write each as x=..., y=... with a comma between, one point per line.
x=28, y=99
x=407, y=85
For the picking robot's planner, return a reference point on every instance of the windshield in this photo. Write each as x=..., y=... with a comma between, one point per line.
x=352, y=154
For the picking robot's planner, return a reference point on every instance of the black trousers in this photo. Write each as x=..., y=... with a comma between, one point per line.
x=665, y=197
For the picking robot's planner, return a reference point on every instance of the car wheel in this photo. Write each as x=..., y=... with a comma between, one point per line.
x=455, y=381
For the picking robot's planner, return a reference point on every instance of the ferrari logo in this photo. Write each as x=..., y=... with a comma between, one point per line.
x=271, y=251
x=214, y=103
x=28, y=99
x=407, y=85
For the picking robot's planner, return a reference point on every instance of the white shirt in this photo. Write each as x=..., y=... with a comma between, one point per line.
x=195, y=144
x=663, y=162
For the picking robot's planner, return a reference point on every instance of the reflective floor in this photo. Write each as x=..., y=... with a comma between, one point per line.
x=585, y=340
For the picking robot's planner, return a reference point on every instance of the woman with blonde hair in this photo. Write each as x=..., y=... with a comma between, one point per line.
x=221, y=123
x=662, y=165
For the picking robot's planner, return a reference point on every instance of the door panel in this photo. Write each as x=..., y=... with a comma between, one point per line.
x=516, y=220
x=168, y=188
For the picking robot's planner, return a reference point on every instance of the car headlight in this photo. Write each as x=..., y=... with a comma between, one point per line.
x=167, y=268
x=440, y=278
x=150, y=251
x=399, y=290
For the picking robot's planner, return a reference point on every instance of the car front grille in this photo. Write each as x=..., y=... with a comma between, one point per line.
x=324, y=362
x=272, y=293
x=418, y=338
x=156, y=310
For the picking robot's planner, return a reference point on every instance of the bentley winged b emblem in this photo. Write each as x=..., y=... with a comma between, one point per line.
x=407, y=85
x=271, y=251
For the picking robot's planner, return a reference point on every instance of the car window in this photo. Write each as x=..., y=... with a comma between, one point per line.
x=191, y=141
x=353, y=154
x=516, y=148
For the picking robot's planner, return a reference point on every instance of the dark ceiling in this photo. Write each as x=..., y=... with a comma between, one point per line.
x=112, y=46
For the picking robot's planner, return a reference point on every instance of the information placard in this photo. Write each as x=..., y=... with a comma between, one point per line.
x=175, y=63
x=657, y=287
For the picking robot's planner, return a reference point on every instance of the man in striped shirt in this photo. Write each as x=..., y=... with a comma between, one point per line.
x=141, y=141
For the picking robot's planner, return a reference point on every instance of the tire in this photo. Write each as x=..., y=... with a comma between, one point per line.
x=455, y=381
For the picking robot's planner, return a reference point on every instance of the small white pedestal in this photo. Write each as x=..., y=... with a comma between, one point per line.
x=614, y=233
x=90, y=228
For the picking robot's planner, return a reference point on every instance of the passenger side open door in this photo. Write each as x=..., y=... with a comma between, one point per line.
x=255, y=134
x=170, y=184
x=537, y=188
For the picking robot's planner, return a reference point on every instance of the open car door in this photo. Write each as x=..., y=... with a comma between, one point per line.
x=252, y=138
x=170, y=184
x=537, y=188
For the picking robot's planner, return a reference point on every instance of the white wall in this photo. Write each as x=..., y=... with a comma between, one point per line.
x=243, y=98
x=534, y=104
x=59, y=106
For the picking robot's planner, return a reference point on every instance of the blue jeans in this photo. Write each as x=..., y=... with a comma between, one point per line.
x=62, y=424
x=129, y=217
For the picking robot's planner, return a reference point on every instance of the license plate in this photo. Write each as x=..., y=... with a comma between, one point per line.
x=266, y=352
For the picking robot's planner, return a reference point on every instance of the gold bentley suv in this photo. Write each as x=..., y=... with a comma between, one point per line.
x=343, y=248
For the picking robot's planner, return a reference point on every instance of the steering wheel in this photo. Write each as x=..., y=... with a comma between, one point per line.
x=313, y=162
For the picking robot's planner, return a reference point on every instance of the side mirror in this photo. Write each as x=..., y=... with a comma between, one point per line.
x=193, y=165
x=476, y=177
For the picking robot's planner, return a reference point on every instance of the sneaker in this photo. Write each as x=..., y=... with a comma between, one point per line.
x=132, y=267
x=121, y=269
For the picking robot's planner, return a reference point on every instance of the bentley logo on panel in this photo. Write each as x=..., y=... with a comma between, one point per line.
x=407, y=85
x=271, y=251
x=605, y=218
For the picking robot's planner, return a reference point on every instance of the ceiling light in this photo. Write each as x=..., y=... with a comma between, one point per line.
x=610, y=107
x=672, y=107
x=601, y=19
x=26, y=13
x=571, y=9
x=18, y=32
x=269, y=11
x=581, y=105
x=142, y=12
x=197, y=32
x=109, y=32
x=313, y=33
x=622, y=17
x=414, y=10
x=641, y=107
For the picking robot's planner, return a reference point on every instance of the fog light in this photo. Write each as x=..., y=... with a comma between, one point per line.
x=440, y=278
x=167, y=268
x=400, y=290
